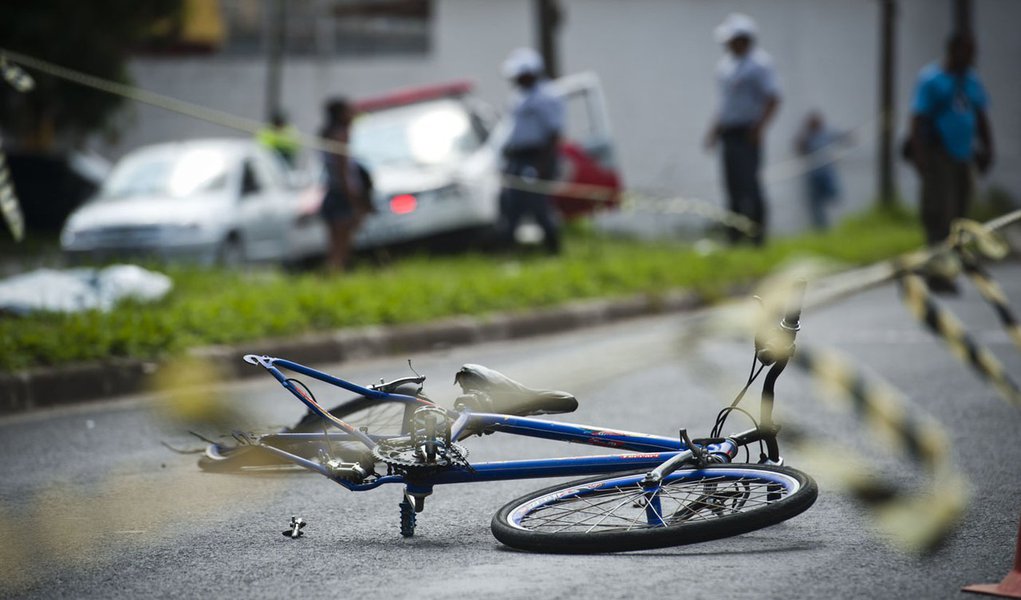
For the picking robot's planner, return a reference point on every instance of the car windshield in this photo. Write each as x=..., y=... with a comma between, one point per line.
x=163, y=172
x=433, y=133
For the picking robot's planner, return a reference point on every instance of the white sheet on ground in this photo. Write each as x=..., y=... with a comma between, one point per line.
x=75, y=290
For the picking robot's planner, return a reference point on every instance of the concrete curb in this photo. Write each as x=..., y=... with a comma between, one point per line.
x=40, y=388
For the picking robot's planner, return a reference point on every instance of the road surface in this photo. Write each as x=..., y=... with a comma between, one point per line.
x=94, y=506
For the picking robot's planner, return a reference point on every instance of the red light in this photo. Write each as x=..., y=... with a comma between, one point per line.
x=403, y=204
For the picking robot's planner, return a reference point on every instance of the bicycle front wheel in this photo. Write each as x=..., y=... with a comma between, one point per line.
x=616, y=513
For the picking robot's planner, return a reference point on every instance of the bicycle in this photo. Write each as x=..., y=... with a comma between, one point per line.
x=657, y=492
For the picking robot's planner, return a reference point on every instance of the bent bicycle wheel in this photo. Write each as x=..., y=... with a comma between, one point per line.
x=379, y=417
x=616, y=513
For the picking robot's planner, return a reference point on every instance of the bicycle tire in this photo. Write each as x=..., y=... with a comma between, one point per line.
x=607, y=514
x=380, y=417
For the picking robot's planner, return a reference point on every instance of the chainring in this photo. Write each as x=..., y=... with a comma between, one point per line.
x=402, y=455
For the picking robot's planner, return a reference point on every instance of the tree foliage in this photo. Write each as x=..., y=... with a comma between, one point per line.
x=92, y=36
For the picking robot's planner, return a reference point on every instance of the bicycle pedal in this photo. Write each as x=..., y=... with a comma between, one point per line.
x=295, y=532
x=244, y=438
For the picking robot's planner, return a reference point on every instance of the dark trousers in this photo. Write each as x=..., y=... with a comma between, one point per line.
x=516, y=203
x=741, y=161
x=946, y=192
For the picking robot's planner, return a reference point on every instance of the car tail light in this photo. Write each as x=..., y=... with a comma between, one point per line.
x=403, y=204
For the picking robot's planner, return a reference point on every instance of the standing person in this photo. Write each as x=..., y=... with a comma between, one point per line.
x=281, y=137
x=530, y=152
x=948, y=118
x=749, y=97
x=348, y=186
x=822, y=185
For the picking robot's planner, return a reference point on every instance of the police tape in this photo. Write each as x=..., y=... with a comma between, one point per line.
x=947, y=327
x=632, y=200
x=992, y=293
x=9, y=206
x=971, y=241
x=9, y=200
x=196, y=111
x=919, y=520
x=15, y=76
x=914, y=519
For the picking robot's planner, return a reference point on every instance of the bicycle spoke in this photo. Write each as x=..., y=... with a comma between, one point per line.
x=626, y=508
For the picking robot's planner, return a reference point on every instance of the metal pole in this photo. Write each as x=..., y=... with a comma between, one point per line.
x=549, y=16
x=275, y=56
x=887, y=100
x=962, y=16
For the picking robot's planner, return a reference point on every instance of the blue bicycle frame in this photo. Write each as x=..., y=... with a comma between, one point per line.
x=648, y=452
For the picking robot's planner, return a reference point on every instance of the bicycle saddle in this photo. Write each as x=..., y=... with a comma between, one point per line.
x=501, y=394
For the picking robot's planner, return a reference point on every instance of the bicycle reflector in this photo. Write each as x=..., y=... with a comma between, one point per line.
x=403, y=204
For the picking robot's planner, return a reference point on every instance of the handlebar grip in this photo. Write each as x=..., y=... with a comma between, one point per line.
x=792, y=314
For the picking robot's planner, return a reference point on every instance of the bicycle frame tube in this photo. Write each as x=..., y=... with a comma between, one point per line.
x=569, y=466
x=646, y=452
x=270, y=364
x=565, y=432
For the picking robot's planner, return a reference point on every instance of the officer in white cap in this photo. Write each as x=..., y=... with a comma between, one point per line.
x=530, y=152
x=749, y=97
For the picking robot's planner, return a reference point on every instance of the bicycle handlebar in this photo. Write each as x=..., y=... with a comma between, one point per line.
x=792, y=315
x=776, y=343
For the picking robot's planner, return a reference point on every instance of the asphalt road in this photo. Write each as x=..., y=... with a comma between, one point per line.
x=93, y=506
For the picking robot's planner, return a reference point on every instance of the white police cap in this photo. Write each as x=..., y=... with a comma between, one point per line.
x=522, y=61
x=734, y=26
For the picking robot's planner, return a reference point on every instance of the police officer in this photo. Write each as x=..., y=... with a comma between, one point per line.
x=749, y=98
x=530, y=152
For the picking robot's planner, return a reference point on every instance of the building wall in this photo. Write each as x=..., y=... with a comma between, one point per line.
x=656, y=59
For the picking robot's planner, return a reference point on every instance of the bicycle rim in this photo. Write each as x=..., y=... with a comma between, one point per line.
x=605, y=514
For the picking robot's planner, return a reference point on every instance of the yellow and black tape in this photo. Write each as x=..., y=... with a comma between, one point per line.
x=15, y=75
x=944, y=324
x=992, y=293
x=916, y=521
x=9, y=206
x=9, y=201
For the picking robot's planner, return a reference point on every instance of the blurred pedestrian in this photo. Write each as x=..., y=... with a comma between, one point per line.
x=749, y=97
x=815, y=143
x=281, y=137
x=348, y=197
x=949, y=133
x=531, y=150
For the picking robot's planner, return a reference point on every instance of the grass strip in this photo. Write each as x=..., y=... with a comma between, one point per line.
x=227, y=307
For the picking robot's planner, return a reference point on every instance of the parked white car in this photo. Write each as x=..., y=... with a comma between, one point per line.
x=221, y=201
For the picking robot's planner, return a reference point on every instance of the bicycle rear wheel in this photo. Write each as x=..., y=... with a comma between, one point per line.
x=615, y=513
x=379, y=417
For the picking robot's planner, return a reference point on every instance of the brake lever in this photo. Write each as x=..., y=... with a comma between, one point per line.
x=391, y=386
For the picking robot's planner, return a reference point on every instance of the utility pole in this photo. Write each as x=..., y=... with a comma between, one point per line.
x=887, y=109
x=962, y=16
x=277, y=23
x=549, y=15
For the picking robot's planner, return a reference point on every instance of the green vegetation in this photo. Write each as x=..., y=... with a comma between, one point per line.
x=220, y=307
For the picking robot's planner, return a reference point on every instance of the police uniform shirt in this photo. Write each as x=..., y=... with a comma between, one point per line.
x=746, y=86
x=537, y=114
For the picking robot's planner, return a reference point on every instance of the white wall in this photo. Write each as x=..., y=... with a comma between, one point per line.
x=656, y=59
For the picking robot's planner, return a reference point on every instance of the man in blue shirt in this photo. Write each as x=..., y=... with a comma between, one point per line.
x=948, y=118
x=531, y=150
x=749, y=97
